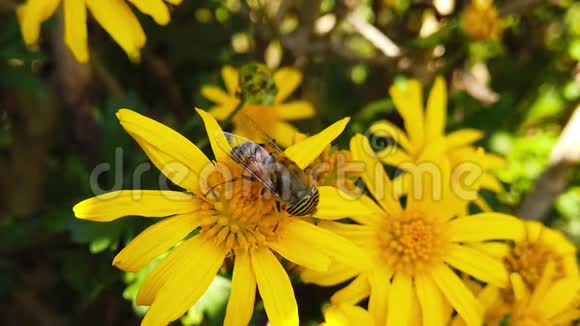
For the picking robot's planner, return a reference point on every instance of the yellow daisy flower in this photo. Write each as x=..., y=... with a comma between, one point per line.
x=238, y=222
x=414, y=250
x=270, y=119
x=480, y=20
x=540, y=246
x=424, y=127
x=542, y=262
x=115, y=16
x=551, y=302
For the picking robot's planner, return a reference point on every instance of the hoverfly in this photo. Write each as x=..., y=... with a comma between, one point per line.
x=282, y=177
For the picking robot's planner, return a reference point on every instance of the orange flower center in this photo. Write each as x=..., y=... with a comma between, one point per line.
x=331, y=169
x=412, y=243
x=529, y=260
x=238, y=213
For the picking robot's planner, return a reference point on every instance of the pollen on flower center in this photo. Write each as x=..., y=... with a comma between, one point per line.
x=529, y=260
x=411, y=243
x=239, y=215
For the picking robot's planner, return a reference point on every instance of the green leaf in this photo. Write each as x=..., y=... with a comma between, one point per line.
x=568, y=204
x=211, y=305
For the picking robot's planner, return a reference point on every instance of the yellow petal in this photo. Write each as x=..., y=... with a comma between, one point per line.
x=215, y=94
x=217, y=139
x=457, y=294
x=337, y=273
x=415, y=310
x=152, y=203
x=400, y=300
x=243, y=294
x=393, y=156
x=287, y=80
x=430, y=300
x=379, y=280
x=427, y=184
x=345, y=314
x=569, y=265
x=75, y=29
x=436, y=113
x=566, y=318
x=542, y=286
x=293, y=247
x=534, y=230
x=295, y=110
x=559, y=296
x=519, y=287
x=488, y=297
x=174, y=2
x=191, y=278
x=336, y=247
x=497, y=250
x=165, y=270
x=336, y=204
x=494, y=161
x=284, y=134
x=306, y=151
x=463, y=137
x=354, y=292
x=154, y=8
x=221, y=112
x=230, y=77
x=175, y=156
x=387, y=129
x=154, y=241
x=31, y=15
x=120, y=22
x=408, y=100
x=361, y=235
x=489, y=182
x=482, y=204
x=374, y=175
x=485, y=226
x=275, y=288
x=477, y=264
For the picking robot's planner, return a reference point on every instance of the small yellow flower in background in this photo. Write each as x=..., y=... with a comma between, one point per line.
x=414, y=250
x=544, y=280
x=480, y=20
x=248, y=227
x=346, y=315
x=270, y=119
x=540, y=246
x=423, y=128
x=552, y=302
x=115, y=16
x=331, y=169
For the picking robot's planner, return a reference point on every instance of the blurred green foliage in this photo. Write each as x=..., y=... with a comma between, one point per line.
x=66, y=129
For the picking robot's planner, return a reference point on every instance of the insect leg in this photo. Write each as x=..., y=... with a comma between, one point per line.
x=214, y=194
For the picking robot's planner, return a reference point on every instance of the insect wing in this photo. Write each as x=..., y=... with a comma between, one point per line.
x=252, y=157
x=264, y=138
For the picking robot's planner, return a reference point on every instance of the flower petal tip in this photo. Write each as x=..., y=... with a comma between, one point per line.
x=122, y=113
x=77, y=210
